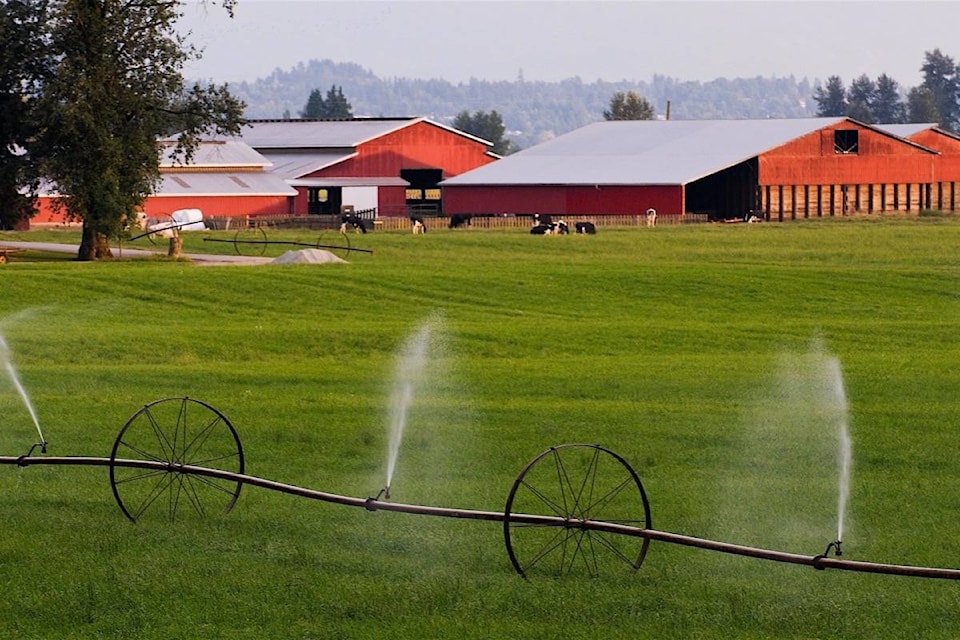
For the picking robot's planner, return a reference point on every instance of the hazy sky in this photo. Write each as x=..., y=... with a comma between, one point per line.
x=550, y=40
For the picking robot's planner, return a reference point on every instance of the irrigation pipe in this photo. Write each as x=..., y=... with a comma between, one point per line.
x=374, y=504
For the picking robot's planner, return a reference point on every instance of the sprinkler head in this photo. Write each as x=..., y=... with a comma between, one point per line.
x=386, y=492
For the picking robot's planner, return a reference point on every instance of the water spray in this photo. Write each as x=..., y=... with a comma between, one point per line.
x=12, y=372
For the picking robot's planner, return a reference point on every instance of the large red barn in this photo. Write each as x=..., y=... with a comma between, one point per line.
x=778, y=169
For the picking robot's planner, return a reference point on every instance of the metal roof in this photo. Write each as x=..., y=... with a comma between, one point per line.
x=907, y=130
x=215, y=153
x=634, y=152
x=237, y=183
x=330, y=134
x=378, y=181
x=295, y=165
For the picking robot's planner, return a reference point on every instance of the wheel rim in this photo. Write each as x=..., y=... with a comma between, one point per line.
x=574, y=483
x=176, y=431
x=250, y=241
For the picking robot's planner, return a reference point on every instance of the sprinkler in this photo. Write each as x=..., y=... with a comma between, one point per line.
x=43, y=449
x=837, y=552
x=370, y=503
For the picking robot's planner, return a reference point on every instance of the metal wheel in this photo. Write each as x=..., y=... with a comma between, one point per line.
x=573, y=485
x=336, y=243
x=162, y=223
x=174, y=432
x=250, y=241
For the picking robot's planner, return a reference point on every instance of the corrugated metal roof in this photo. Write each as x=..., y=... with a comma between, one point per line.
x=223, y=184
x=216, y=153
x=381, y=181
x=907, y=130
x=662, y=152
x=317, y=134
x=295, y=165
x=330, y=134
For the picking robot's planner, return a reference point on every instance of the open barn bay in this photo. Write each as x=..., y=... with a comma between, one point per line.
x=709, y=357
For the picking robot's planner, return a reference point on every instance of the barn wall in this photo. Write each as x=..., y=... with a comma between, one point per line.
x=419, y=146
x=601, y=200
x=562, y=200
x=219, y=206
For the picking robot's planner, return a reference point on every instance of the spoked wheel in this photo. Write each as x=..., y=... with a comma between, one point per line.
x=166, y=434
x=336, y=243
x=251, y=241
x=574, y=485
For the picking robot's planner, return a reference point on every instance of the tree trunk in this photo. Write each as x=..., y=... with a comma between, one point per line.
x=93, y=245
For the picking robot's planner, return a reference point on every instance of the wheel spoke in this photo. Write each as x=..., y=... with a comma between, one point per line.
x=186, y=432
x=585, y=485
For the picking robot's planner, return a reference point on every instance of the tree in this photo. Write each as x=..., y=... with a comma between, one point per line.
x=831, y=99
x=488, y=126
x=629, y=106
x=887, y=106
x=940, y=77
x=116, y=89
x=314, y=108
x=922, y=106
x=334, y=107
x=860, y=98
x=24, y=61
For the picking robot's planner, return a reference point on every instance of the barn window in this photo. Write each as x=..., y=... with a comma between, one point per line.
x=431, y=194
x=846, y=141
x=414, y=194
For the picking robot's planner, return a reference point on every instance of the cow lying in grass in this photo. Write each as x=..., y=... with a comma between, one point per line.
x=418, y=225
x=586, y=227
x=552, y=228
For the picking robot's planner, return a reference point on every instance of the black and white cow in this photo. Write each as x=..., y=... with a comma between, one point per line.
x=552, y=228
x=418, y=225
x=586, y=227
x=348, y=219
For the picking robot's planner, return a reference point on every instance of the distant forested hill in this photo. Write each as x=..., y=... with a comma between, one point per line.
x=532, y=111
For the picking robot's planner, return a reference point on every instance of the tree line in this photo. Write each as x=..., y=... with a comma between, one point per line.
x=883, y=101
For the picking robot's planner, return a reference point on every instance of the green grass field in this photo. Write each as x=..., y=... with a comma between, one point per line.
x=697, y=353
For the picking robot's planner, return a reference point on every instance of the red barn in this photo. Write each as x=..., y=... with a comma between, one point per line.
x=390, y=166
x=778, y=169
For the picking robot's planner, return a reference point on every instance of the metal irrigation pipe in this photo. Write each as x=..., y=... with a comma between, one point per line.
x=298, y=244
x=374, y=504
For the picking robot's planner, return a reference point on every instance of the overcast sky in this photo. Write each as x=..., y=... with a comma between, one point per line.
x=551, y=40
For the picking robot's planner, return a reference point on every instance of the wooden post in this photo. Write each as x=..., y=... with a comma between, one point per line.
x=176, y=243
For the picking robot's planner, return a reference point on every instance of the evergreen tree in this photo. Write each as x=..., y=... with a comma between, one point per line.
x=116, y=88
x=940, y=77
x=315, y=107
x=860, y=98
x=336, y=107
x=887, y=107
x=831, y=99
x=922, y=106
x=488, y=126
x=629, y=106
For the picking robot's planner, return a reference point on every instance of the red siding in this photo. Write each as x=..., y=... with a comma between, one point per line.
x=811, y=159
x=560, y=200
x=418, y=146
x=219, y=206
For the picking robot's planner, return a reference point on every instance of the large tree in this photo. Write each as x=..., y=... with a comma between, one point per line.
x=24, y=60
x=629, y=106
x=831, y=99
x=888, y=108
x=922, y=106
x=941, y=78
x=116, y=89
x=486, y=125
x=860, y=99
